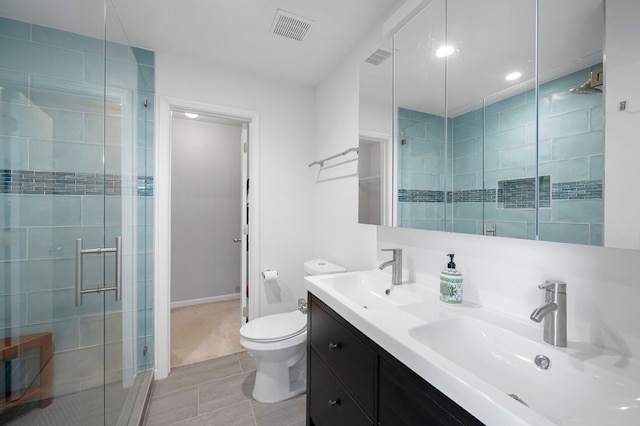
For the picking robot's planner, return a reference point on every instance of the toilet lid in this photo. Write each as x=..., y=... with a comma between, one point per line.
x=275, y=327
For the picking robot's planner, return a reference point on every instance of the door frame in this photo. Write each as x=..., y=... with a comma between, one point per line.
x=162, y=218
x=389, y=192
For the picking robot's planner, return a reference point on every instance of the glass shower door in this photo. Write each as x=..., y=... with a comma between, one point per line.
x=70, y=195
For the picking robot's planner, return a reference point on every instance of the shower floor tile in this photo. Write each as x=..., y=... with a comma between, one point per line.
x=80, y=409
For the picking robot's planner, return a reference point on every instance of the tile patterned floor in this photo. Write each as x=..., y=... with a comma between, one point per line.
x=218, y=392
x=80, y=409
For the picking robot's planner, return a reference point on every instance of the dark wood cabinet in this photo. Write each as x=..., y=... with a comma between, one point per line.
x=407, y=399
x=330, y=402
x=349, y=355
x=341, y=361
x=353, y=381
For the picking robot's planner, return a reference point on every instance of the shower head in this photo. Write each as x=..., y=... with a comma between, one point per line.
x=589, y=86
x=585, y=89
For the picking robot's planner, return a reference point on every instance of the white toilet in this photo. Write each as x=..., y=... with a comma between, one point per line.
x=278, y=343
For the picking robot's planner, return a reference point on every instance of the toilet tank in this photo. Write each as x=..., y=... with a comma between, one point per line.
x=321, y=267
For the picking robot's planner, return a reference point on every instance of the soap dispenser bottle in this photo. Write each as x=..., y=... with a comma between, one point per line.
x=451, y=284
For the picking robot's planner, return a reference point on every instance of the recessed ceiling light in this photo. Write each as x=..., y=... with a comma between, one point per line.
x=444, y=51
x=191, y=115
x=513, y=76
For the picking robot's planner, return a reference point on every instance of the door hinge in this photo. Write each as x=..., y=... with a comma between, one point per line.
x=145, y=102
x=144, y=351
x=245, y=229
x=245, y=312
x=245, y=147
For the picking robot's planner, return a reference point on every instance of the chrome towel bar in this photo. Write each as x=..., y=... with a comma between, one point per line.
x=321, y=162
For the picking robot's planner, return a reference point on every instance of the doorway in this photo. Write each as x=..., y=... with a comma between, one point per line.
x=375, y=187
x=206, y=226
x=206, y=204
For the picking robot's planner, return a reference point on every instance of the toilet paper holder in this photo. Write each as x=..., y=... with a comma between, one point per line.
x=269, y=275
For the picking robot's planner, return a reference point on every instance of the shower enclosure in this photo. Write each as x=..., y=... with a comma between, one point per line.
x=76, y=150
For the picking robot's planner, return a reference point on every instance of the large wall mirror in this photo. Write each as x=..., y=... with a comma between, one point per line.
x=498, y=127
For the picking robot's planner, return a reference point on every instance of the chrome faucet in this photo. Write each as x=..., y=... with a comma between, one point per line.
x=396, y=263
x=554, y=312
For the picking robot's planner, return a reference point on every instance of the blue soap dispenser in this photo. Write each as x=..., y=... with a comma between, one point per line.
x=451, y=284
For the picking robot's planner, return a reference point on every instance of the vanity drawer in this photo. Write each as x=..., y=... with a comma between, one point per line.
x=329, y=402
x=348, y=353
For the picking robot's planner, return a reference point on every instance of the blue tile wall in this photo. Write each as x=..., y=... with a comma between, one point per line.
x=492, y=154
x=422, y=169
x=14, y=29
x=66, y=40
x=25, y=56
x=55, y=186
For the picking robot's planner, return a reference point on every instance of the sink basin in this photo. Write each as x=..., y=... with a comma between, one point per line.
x=571, y=391
x=368, y=290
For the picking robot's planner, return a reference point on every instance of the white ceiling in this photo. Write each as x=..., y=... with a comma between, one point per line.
x=490, y=36
x=233, y=33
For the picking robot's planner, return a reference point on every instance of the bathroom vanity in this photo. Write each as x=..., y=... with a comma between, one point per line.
x=353, y=381
x=405, y=358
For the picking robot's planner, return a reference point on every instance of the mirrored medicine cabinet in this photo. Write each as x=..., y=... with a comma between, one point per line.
x=489, y=117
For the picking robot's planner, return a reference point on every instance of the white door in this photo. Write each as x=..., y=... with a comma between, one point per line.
x=244, y=231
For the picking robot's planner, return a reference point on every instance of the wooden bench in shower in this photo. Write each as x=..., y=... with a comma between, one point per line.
x=10, y=349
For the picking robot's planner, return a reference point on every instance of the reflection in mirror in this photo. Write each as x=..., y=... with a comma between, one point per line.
x=491, y=116
x=419, y=91
x=571, y=121
x=374, y=160
x=522, y=157
x=375, y=154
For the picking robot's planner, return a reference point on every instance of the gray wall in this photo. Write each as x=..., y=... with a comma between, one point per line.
x=205, y=209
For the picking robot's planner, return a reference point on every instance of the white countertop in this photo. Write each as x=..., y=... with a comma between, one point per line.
x=390, y=329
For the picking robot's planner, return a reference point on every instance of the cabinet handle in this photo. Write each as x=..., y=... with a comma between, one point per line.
x=334, y=346
x=334, y=402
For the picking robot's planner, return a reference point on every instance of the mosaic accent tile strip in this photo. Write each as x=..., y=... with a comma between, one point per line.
x=582, y=190
x=145, y=186
x=521, y=193
x=420, y=196
x=472, y=196
x=71, y=183
x=428, y=196
x=512, y=193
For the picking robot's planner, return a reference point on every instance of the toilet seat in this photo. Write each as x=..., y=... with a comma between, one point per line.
x=274, y=328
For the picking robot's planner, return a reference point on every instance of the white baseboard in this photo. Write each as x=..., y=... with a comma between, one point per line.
x=205, y=300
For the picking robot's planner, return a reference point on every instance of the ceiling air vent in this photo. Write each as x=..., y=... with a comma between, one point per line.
x=378, y=57
x=290, y=26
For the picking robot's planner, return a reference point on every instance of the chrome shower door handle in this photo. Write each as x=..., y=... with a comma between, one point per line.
x=78, y=271
x=80, y=252
x=118, y=268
